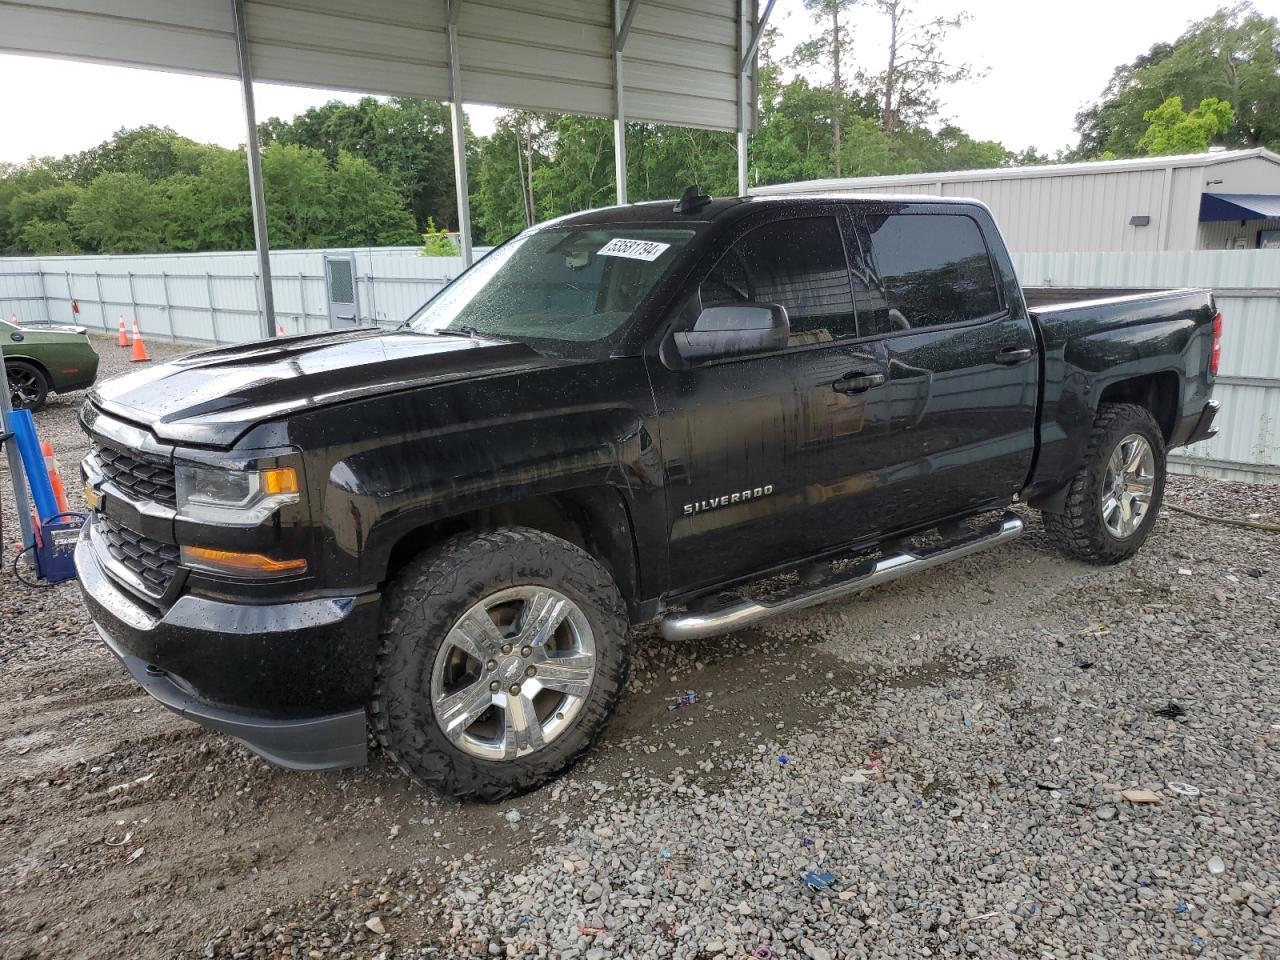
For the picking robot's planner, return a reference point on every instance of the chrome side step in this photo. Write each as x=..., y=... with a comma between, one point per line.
x=708, y=622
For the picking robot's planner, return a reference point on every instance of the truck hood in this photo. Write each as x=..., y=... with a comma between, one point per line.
x=212, y=397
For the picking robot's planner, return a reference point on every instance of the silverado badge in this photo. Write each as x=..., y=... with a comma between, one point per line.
x=725, y=499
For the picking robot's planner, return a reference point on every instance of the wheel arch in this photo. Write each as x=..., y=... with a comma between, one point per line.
x=1160, y=393
x=593, y=518
x=30, y=361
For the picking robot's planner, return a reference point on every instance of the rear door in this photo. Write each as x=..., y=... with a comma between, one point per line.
x=962, y=358
x=772, y=457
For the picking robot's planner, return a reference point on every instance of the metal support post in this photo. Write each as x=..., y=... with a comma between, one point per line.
x=102, y=304
x=748, y=43
x=621, y=28
x=257, y=196
x=213, y=311
x=459, y=123
x=16, y=475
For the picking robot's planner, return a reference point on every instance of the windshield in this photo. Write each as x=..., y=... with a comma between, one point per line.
x=575, y=284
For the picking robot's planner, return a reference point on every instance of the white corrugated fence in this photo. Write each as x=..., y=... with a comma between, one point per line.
x=214, y=296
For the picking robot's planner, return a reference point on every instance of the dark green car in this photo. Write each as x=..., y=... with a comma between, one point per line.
x=40, y=360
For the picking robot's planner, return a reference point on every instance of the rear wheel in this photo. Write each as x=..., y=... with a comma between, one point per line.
x=1113, y=501
x=28, y=386
x=503, y=654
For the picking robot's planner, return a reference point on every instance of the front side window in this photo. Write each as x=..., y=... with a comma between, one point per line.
x=798, y=263
x=557, y=285
x=922, y=270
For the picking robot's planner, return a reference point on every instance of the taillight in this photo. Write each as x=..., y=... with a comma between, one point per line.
x=1215, y=355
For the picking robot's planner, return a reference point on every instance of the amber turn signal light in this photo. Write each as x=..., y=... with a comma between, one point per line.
x=240, y=564
x=279, y=480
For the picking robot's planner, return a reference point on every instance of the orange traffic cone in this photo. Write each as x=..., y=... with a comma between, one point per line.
x=55, y=476
x=139, y=348
x=122, y=338
x=280, y=330
x=13, y=318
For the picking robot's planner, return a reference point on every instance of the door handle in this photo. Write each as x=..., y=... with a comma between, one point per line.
x=1013, y=355
x=857, y=382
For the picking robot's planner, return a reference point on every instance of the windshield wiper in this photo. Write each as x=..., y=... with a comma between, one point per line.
x=465, y=330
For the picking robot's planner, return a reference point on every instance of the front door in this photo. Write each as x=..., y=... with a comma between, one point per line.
x=963, y=375
x=340, y=282
x=774, y=457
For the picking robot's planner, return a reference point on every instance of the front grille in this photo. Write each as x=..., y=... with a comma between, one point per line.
x=154, y=562
x=145, y=477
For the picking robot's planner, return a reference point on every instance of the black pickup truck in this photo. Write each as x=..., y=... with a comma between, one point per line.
x=444, y=534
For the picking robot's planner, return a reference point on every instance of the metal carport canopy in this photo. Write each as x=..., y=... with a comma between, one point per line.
x=680, y=62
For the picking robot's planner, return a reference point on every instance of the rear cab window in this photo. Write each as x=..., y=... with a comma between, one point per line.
x=920, y=270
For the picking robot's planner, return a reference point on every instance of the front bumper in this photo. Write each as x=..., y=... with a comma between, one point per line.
x=288, y=679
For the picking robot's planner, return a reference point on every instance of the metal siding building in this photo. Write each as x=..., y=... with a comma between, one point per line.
x=1091, y=207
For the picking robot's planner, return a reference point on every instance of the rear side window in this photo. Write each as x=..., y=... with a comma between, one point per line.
x=798, y=263
x=922, y=270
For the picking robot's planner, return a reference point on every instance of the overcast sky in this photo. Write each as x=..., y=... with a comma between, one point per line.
x=1040, y=69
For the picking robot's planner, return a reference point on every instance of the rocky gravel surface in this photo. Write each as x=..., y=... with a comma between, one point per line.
x=1015, y=756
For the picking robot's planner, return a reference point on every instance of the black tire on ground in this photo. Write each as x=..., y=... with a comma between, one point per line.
x=28, y=385
x=426, y=600
x=1080, y=529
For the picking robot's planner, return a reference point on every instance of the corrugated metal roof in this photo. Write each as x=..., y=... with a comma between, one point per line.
x=1017, y=173
x=681, y=55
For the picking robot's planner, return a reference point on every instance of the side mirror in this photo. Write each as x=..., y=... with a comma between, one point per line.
x=731, y=329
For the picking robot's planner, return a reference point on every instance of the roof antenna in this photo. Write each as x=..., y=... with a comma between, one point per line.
x=692, y=200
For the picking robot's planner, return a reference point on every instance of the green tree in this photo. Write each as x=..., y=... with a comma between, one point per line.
x=119, y=213
x=152, y=152
x=795, y=140
x=17, y=180
x=1174, y=131
x=1233, y=55
x=915, y=67
x=51, y=204
x=502, y=201
x=365, y=208
x=831, y=51
x=406, y=140
x=218, y=214
x=663, y=160
x=45, y=238
x=436, y=242
x=579, y=171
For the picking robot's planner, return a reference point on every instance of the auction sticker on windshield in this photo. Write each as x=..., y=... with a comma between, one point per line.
x=633, y=249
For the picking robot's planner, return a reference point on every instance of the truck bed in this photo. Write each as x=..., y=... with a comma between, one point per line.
x=1149, y=347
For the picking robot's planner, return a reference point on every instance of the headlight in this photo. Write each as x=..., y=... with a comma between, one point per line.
x=242, y=498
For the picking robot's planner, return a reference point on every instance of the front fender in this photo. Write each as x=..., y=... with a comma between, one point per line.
x=376, y=497
x=382, y=467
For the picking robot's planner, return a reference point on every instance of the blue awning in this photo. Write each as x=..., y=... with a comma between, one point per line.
x=1239, y=206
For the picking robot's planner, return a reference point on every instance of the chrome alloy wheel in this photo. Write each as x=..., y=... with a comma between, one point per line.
x=1127, y=486
x=513, y=672
x=24, y=388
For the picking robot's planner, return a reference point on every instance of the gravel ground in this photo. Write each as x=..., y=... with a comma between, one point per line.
x=946, y=757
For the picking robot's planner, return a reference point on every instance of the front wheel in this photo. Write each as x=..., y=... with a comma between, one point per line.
x=1113, y=500
x=503, y=655
x=28, y=386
